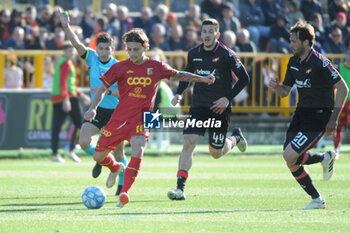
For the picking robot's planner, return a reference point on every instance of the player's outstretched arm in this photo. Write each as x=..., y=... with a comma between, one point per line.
x=91, y=112
x=85, y=98
x=280, y=89
x=189, y=77
x=113, y=92
x=64, y=17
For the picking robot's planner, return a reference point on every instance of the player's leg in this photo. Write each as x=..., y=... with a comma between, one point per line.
x=338, y=134
x=191, y=137
x=219, y=145
x=309, y=130
x=57, y=120
x=76, y=117
x=296, y=143
x=337, y=139
x=343, y=121
x=185, y=164
x=111, y=136
x=299, y=172
x=88, y=130
x=306, y=128
x=326, y=159
x=106, y=159
x=119, y=156
x=138, y=144
x=302, y=176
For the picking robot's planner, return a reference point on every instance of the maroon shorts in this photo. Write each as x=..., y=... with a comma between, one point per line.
x=116, y=132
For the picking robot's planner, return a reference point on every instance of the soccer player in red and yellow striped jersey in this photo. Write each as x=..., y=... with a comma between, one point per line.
x=138, y=78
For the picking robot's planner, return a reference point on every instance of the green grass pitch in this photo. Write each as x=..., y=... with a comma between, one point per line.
x=236, y=193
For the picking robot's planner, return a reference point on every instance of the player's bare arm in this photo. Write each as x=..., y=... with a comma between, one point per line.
x=85, y=98
x=280, y=89
x=91, y=112
x=283, y=90
x=189, y=77
x=80, y=47
x=113, y=92
x=342, y=93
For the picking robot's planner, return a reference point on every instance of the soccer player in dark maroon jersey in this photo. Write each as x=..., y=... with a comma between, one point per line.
x=317, y=112
x=210, y=102
x=138, y=78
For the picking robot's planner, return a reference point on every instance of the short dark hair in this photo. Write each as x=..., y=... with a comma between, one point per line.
x=190, y=29
x=102, y=21
x=315, y=15
x=105, y=38
x=136, y=35
x=211, y=22
x=304, y=31
x=227, y=5
x=30, y=7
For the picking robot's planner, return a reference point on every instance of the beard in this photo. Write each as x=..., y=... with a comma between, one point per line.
x=300, y=51
x=209, y=44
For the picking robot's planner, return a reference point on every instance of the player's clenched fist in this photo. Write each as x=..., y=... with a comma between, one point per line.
x=177, y=98
x=64, y=18
x=210, y=79
x=89, y=115
x=274, y=82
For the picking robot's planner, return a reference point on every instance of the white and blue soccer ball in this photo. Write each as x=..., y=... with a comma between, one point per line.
x=94, y=197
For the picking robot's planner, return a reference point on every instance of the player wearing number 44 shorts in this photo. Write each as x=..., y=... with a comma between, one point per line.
x=317, y=112
x=210, y=103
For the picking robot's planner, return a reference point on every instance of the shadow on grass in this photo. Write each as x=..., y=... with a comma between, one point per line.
x=200, y=212
x=44, y=204
x=42, y=197
x=49, y=204
x=196, y=212
x=18, y=210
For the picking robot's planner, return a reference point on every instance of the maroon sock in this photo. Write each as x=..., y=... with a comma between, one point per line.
x=182, y=176
x=337, y=137
x=110, y=163
x=131, y=173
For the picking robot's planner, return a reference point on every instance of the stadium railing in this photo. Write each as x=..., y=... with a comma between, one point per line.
x=256, y=98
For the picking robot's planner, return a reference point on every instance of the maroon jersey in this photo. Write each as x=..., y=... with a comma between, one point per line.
x=137, y=85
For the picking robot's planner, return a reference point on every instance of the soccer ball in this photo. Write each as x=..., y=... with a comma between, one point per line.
x=94, y=197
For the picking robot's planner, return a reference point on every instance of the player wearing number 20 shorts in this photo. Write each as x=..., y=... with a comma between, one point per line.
x=317, y=110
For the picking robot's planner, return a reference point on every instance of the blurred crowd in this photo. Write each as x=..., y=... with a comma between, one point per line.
x=245, y=26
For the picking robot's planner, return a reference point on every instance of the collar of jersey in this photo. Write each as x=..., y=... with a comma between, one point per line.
x=210, y=51
x=106, y=62
x=307, y=57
